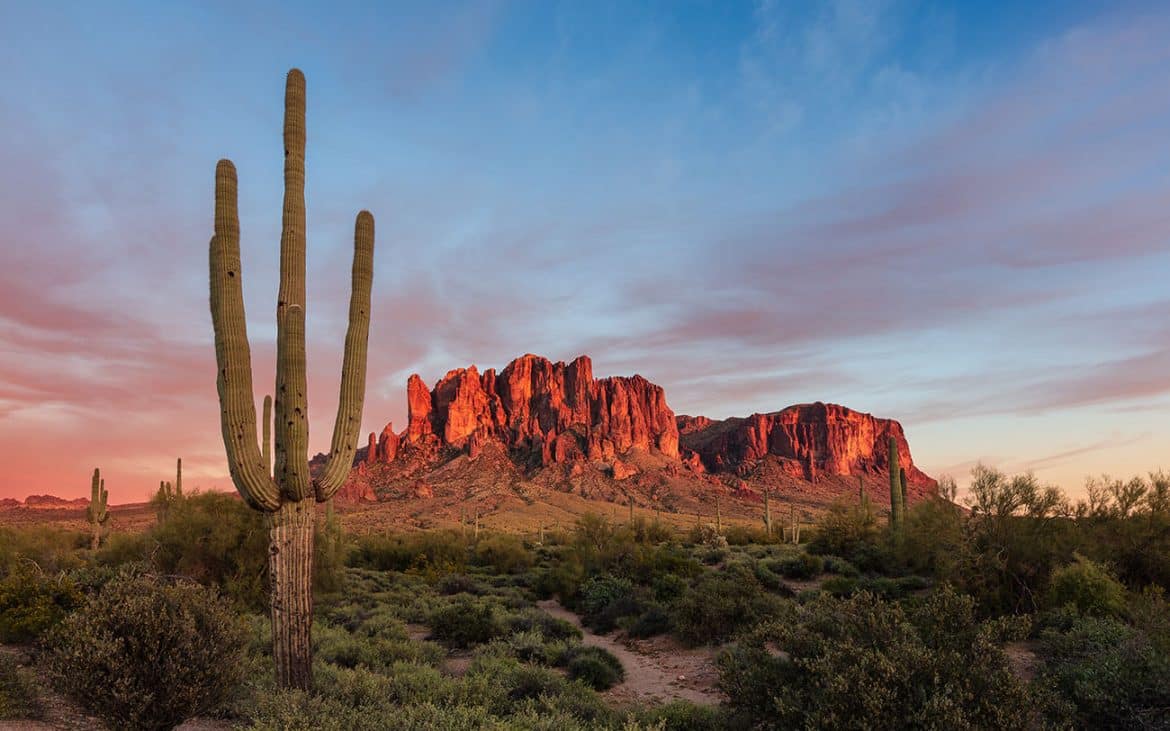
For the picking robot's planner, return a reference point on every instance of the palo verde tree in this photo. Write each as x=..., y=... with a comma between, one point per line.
x=288, y=495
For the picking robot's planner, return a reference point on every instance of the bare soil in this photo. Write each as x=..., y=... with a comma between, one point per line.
x=658, y=670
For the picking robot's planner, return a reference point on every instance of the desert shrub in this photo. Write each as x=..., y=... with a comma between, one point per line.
x=769, y=579
x=667, y=587
x=864, y=663
x=348, y=650
x=32, y=603
x=849, y=530
x=549, y=627
x=442, y=552
x=215, y=539
x=51, y=549
x=714, y=555
x=143, y=654
x=1110, y=675
x=504, y=553
x=839, y=566
x=931, y=538
x=841, y=586
x=604, y=599
x=708, y=535
x=739, y=535
x=1088, y=587
x=651, y=531
x=1016, y=534
x=683, y=716
x=18, y=693
x=466, y=621
x=721, y=604
x=654, y=620
x=597, y=667
x=804, y=566
x=459, y=584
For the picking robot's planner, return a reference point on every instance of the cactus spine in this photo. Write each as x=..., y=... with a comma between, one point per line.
x=896, y=504
x=286, y=495
x=97, y=512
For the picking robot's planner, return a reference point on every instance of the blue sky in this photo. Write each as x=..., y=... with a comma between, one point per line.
x=951, y=214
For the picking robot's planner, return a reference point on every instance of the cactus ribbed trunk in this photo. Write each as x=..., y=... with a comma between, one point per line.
x=290, y=571
x=895, y=486
x=278, y=482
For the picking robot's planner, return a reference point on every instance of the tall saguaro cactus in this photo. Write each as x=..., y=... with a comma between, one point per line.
x=897, y=507
x=287, y=494
x=97, y=511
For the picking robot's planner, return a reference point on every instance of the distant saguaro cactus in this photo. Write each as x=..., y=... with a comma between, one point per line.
x=287, y=495
x=767, y=513
x=896, y=504
x=179, y=477
x=905, y=497
x=97, y=512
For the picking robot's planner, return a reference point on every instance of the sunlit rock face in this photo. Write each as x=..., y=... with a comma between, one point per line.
x=814, y=439
x=556, y=412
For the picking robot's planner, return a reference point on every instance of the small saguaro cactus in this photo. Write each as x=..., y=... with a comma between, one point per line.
x=896, y=505
x=97, y=512
x=905, y=492
x=286, y=494
x=179, y=477
x=767, y=513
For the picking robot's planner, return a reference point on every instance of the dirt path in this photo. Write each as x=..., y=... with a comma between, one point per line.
x=658, y=670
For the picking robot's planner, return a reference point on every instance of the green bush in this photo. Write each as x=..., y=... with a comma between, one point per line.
x=1110, y=675
x=595, y=666
x=804, y=566
x=654, y=620
x=441, y=552
x=1088, y=587
x=143, y=654
x=52, y=550
x=466, y=621
x=32, y=603
x=862, y=663
x=721, y=604
x=849, y=530
x=549, y=627
x=459, y=584
x=839, y=566
x=504, y=553
x=604, y=600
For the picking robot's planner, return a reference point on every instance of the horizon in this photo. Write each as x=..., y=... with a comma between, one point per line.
x=932, y=213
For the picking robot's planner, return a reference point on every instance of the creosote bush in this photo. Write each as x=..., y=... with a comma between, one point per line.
x=863, y=663
x=32, y=602
x=146, y=654
x=1088, y=588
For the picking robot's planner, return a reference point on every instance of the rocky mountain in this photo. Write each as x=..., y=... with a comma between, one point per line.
x=537, y=426
x=810, y=440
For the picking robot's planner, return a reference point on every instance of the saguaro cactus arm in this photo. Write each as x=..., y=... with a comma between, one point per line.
x=233, y=356
x=291, y=470
x=353, y=366
x=267, y=453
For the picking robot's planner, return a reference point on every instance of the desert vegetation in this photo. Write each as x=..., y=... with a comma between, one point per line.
x=1019, y=610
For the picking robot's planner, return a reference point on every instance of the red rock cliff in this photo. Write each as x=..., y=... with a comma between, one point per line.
x=816, y=438
x=555, y=410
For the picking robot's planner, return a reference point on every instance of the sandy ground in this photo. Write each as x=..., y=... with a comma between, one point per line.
x=658, y=670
